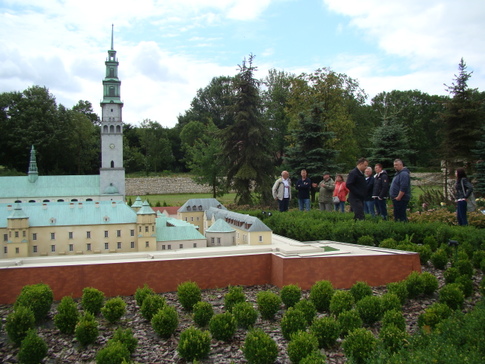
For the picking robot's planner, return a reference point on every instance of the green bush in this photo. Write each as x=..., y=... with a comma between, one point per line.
x=320, y=294
x=126, y=337
x=388, y=243
x=269, y=304
x=92, y=300
x=86, y=331
x=165, y=321
x=67, y=315
x=451, y=274
x=151, y=305
x=434, y=314
x=19, y=322
x=370, y=309
x=359, y=345
x=424, y=253
x=233, y=296
x=113, y=353
x=33, y=348
x=452, y=295
x=326, y=330
x=222, y=326
x=394, y=317
x=141, y=293
x=291, y=322
x=366, y=240
x=314, y=358
x=439, y=259
x=114, y=309
x=477, y=258
x=301, y=345
x=308, y=309
x=430, y=283
x=465, y=267
x=414, y=285
x=202, y=313
x=360, y=290
x=466, y=285
x=393, y=338
x=259, y=348
x=188, y=294
x=194, y=344
x=341, y=301
x=38, y=297
x=290, y=295
x=431, y=242
x=400, y=289
x=245, y=314
x=482, y=286
x=348, y=321
x=390, y=301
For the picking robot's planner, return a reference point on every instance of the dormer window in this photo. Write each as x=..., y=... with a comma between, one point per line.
x=189, y=208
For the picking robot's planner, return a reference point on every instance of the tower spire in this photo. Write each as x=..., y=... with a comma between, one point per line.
x=112, y=31
x=33, y=173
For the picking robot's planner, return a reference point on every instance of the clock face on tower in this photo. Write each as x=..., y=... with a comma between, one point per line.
x=112, y=146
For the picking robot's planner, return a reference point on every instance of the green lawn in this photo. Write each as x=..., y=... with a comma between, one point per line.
x=180, y=199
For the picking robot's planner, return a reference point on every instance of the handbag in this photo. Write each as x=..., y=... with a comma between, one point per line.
x=336, y=199
x=471, y=203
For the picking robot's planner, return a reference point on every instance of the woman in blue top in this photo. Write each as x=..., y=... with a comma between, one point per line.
x=463, y=191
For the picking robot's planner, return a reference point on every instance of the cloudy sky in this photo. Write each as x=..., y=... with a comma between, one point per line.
x=168, y=49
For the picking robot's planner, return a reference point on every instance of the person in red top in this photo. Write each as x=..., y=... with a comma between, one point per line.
x=341, y=191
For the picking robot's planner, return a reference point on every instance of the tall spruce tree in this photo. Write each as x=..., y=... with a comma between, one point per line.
x=312, y=144
x=479, y=152
x=461, y=121
x=245, y=142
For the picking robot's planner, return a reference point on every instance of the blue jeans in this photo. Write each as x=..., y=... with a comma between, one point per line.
x=381, y=207
x=400, y=210
x=284, y=204
x=461, y=212
x=340, y=205
x=304, y=204
x=369, y=207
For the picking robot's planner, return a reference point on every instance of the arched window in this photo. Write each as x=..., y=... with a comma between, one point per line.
x=105, y=129
x=111, y=129
x=118, y=129
x=112, y=164
x=111, y=91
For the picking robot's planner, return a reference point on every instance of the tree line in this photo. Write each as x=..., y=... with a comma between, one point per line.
x=240, y=132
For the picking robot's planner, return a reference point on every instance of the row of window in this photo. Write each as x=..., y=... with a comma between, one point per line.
x=181, y=246
x=59, y=200
x=70, y=234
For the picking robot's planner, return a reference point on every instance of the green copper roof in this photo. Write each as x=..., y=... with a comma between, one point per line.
x=170, y=229
x=49, y=186
x=146, y=209
x=220, y=226
x=69, y=214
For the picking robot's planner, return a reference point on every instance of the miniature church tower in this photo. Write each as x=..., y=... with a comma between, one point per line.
x=112, y=173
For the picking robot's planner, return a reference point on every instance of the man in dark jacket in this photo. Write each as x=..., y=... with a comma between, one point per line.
x=358, y=188
x=400, y=191
x=381, y=190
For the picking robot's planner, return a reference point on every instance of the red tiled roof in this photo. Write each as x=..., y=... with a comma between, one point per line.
x=171, y=210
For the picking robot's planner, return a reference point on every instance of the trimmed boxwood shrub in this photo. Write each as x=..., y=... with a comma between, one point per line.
x=233, y=296
x=439, y=258
x=348, y=321
x=165, y=321
x=188, y=294
x=33, y=348
x=245, y=314
x=366, y=240
x=425, y=253
x=19, y=322
x=222, y=326
x=434, y=314
x=290, y=295
x=393, y=338
x=126, y=337
x=92, y=300
x=259, y=348
x=194, y=344
x=141, y=293
x=451, y=274
x=452, y=295
x=67, y=315
x=360, y=290
x=114, y=309
x=370, y=309
x=38, y=297
x=301, y=345
x=113, y=352
x=400, y=289
x=86, y=329
x=269, y=304
x=431, y=242
x=388, y=243
x=394, y=317
x=291, y=322
x=320, y=294
x=326, y=330
x=359, y=345
x=151, y=305
x=341, y=301
x=477, y=258
x=430, y=283
x=466, y=285
x=414, y=284
x=202, y=313
x=308, y=309
x=390, y=301
x=314, y=358
x=464, y=266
